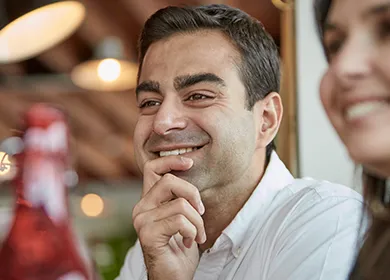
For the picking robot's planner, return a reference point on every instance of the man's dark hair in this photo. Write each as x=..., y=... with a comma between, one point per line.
x=259, y=61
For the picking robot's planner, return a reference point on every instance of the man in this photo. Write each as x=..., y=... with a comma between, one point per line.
x=217, y=202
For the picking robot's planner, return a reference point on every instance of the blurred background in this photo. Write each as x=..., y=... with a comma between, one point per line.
x=91, y=73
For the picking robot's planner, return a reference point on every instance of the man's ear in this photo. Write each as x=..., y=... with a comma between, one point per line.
x=268, y=114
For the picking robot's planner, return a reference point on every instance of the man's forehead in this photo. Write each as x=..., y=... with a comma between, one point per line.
x=185, y=53
x=211, y=44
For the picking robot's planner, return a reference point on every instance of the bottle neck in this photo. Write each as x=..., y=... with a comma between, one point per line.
x=42, y=185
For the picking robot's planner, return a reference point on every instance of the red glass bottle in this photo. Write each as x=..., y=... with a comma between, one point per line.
x=40, y=244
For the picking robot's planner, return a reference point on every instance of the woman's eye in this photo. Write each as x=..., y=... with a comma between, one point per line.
x=333, y=48
x=150, y=103
x=384, y=29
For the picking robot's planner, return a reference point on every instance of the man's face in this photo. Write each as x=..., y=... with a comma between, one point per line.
x=192, y=102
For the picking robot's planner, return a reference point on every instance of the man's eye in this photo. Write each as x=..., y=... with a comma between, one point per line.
x=150, y=103
x=197, y=96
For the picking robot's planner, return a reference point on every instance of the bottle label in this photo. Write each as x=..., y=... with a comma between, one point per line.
x=44, y=176
x=44, y=187
x=52, y=139
x=72, y=276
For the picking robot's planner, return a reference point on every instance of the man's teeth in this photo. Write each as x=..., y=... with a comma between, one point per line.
x=177, y=152
x=363, y=109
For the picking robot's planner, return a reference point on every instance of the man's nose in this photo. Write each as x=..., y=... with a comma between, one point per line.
x=170, y=117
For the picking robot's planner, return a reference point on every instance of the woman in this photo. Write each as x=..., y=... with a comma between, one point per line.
x=355, y=92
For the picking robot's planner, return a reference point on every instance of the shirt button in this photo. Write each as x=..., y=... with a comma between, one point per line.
x=238, y=251
x=208, y=251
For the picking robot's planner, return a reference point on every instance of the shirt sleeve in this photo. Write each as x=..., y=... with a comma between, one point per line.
x=319, y=241
x=134, y=266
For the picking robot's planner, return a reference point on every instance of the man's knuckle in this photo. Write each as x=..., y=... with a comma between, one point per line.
x=181, y=220
x=137, y=222
x=145, y=235
x=182, y=204
x=168, y=177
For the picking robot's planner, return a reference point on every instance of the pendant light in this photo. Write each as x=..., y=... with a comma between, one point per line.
x=40, y=29
x=109, y=71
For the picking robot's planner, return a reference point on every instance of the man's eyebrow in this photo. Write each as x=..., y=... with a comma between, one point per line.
x=148, y=86
x=186, y=81
x=181, y=82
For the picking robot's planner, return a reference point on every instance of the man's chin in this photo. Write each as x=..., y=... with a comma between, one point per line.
x=188, y=176
x=185, y=175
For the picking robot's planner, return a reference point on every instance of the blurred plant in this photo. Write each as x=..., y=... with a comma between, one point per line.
x=109, y=255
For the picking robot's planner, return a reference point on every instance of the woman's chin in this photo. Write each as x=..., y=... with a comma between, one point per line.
x=375, y=161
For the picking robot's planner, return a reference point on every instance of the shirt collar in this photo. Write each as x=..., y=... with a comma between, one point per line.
x=275, y=178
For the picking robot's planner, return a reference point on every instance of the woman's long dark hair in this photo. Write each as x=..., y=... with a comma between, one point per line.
x=373, y=261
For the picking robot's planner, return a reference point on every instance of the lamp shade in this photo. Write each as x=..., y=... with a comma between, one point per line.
x=109, y=71
x=283, y=4
x=39, y=30
x=108, y=74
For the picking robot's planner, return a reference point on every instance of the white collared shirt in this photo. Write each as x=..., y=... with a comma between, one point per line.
x=296, y=229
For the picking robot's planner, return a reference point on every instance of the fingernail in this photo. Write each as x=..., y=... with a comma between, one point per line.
x=201, y=208
x=186, y=160
x=204, y=238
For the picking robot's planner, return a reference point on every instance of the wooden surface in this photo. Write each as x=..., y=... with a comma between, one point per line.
x=287, y=144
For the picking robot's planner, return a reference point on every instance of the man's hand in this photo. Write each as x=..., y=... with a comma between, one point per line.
x=168, y=220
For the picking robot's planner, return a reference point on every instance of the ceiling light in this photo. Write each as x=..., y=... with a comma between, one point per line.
x=39, y=30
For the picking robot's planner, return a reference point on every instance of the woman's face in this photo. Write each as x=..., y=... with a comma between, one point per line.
x=355, y=90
